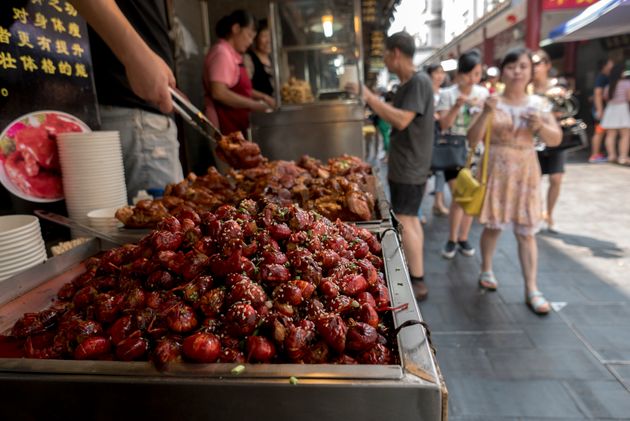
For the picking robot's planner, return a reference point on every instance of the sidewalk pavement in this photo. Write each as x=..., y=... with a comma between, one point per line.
x=501, y=361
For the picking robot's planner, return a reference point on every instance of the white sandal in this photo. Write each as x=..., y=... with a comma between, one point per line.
x=536, y=301
x=488, y=281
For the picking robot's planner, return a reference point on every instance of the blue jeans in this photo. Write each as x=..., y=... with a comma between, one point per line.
x=440, y=180
x=149, y=146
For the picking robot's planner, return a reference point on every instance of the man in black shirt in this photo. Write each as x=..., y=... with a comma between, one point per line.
x=133, y=61
x=411, y=146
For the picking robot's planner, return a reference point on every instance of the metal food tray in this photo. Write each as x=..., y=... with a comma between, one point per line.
x=409, y=390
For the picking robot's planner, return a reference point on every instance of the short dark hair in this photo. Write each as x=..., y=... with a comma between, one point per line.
x=432, y=68
x=468, y=61
x=240, y=17
x=513, y=55
x=403, y=42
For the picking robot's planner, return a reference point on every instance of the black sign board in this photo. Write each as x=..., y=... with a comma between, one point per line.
x=44, y=60
x=45, y=64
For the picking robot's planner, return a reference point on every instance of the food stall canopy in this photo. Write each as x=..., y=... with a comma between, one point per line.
x=602, y=19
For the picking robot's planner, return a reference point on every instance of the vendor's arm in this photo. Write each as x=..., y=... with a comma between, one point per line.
x=149, y=76
x=398, y=118
x=220, y=92
x=264, y=97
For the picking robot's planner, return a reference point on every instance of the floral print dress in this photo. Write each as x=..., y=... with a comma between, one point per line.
x=513, y=194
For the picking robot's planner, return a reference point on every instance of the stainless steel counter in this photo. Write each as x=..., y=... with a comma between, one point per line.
x=36, y=389
x=322, y=130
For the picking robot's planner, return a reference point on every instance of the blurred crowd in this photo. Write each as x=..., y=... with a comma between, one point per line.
x=530, y=116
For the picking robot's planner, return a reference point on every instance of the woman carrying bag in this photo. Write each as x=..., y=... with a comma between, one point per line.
x=513, y=173
x=457, y=107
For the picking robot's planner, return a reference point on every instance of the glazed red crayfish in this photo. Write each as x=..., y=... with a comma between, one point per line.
x=257, y=283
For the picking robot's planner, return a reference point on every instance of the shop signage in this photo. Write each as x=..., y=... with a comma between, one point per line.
x=566, y=4
x=45, y=61
x=617, y=41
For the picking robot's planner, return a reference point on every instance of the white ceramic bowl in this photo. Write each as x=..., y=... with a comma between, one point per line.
x=23, y=263
x=11, y=224
x=19, y=243
x=29, y=233
x=21, y=253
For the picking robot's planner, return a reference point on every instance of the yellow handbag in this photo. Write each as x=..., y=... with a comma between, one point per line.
x=469, y=192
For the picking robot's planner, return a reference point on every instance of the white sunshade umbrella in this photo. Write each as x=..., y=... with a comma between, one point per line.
x=603, y=19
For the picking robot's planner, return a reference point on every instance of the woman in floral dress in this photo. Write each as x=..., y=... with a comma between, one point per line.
x=514, y=176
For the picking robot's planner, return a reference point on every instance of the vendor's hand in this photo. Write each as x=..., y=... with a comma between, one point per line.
x=490, y=104
x=353, y=88
x=261, y=107
x=150, y=77
x=270, y=101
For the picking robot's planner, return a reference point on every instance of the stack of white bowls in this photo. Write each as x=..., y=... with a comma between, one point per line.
x=21, y=244
x=92, y=172
x=104, y=220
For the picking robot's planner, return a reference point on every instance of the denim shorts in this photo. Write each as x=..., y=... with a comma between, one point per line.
x=149, y=146
x=406, y=198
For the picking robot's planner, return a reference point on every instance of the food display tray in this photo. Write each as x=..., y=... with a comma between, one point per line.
x=410, y=390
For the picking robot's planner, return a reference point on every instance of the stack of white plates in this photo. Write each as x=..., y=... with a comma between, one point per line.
x=104, y=219
x=92, y=172
x=21, y=244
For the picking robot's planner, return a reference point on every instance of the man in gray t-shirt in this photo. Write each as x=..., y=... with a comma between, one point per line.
x=411, y=147
x=411, y=117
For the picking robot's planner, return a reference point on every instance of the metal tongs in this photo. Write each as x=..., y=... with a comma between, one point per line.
x=194, y=116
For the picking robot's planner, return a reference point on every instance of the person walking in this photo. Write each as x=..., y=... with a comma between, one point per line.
x=411, y=117
x=229, y=96
x=599, y=100
x=437, y=75
x=551, y=161
x=513, y=184
x=616, y=119
x=457, y=107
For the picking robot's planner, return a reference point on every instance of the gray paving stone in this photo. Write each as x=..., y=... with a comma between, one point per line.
x=455, y=363
x=471, y=396
x=598, y=314
x=485, y=340
x=528, y=367
x=611, y=341
x=557, y=364
x=553, y=292
x=520, y=313
x=603, y=292
x=511, y=294
x=484, y=418
x=475, y=315
x=445, y=293
x=602, y=399
x=623, y=371
x=552, y=336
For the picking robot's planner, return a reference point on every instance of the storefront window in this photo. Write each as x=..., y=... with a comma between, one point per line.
x=318, y=49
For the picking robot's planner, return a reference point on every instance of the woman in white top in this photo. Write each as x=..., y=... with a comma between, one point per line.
x=457, y=107
x=616, y=117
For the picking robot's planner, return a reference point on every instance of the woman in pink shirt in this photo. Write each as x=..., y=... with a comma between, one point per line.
x=229, y=96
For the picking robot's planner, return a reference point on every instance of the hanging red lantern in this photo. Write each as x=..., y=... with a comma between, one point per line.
x=511, y=18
